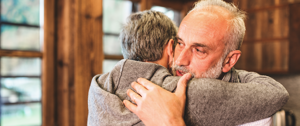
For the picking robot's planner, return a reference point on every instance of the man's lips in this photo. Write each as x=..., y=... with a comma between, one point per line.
x=179, y=73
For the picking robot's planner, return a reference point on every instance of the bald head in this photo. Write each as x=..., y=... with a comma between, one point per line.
x=231, y=15
x=214, y=24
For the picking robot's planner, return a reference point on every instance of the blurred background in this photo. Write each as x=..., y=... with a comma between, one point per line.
x=50, y=50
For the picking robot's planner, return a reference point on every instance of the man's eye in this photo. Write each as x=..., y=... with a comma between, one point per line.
x=199, y=51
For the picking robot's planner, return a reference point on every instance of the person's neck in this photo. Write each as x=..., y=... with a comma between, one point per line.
x=160, y=62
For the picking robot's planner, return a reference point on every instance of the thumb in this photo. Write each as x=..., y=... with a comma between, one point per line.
x=181, y=85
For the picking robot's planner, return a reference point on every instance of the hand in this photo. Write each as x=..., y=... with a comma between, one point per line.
x=157, y=106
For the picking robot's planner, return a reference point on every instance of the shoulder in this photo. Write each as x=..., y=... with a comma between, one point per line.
x=248, y=76
x=142, y=68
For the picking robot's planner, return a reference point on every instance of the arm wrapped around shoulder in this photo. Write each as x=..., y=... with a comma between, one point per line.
x=216, y=102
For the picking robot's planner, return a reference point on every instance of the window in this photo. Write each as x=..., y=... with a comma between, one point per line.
x=20, y=59
x=172, y=14
x=115, y=13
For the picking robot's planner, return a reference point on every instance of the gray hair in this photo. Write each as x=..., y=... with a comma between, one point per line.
x=145, y=35
x=236, y=29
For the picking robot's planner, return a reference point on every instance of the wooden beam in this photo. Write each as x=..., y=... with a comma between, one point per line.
x=186, y=8
x=13, y=53
x=145, y=5
x=65, y=30
x=175, y=5
x=21, y=103
x=48, y=66
x=79, y=57
x=114, y=57
x=168, y=4
x=136, y=1
x=294, y=31
x=89, y=55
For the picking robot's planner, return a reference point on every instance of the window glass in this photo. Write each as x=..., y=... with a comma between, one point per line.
x=20, y=38
x=115, y=13
x=20, y=11
x=108, y=65
x=166, y=11
x=20, y=89
x=112, y=45
x=21, y=114
x=20, y=78
x=13, y=66
x=172, y=14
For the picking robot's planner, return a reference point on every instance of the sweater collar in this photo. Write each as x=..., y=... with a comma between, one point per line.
x=231, y=76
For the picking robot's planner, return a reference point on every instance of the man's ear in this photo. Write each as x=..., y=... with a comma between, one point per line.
x=231, y=60
x=169, y=49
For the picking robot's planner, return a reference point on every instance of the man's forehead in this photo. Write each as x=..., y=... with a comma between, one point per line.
x=202, y=18
x=197, y=14
x=203, y=27
x=212, y=11
x=205, y=20
x=209, y=29
x=198, y=27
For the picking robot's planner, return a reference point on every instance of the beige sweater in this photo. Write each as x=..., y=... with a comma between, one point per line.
x=238, y=98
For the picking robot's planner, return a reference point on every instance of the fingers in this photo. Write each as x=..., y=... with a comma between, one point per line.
x=130, y=106
x=139, y=88
x=181, y=85
x=147, y=84
x=134, y=96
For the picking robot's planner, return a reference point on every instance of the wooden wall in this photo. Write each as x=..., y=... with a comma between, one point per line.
x=294, y=37
x=79, y=57
x=73, y=48
x=73, y=54
x=267, y=43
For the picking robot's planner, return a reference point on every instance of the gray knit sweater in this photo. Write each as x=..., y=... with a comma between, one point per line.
x=238, y=98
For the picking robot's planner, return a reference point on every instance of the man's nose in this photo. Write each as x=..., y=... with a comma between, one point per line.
x=183, y=58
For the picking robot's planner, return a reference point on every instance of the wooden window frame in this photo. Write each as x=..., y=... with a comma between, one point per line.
x=115, y=57
x=47, y=57
x=48, y=61
x=24, y=54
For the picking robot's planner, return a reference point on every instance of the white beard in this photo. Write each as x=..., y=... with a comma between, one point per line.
x=213, y=72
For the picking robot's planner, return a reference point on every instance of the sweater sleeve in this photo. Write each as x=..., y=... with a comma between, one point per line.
x=209, y=101
x=216, y=102
x=104, y=105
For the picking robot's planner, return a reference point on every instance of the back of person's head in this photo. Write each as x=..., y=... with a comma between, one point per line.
x=145, y=35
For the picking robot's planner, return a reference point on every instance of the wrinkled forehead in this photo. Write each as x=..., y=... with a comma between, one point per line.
x=203, y=23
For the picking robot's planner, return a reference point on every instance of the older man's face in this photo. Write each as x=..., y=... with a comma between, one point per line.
x=200, y=48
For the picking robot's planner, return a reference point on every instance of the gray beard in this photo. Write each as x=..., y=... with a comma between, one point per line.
x=213, y=72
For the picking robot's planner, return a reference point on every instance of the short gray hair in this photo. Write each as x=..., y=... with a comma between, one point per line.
x=236, y=30
x=145, y=35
